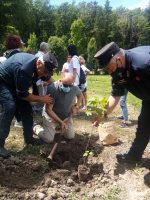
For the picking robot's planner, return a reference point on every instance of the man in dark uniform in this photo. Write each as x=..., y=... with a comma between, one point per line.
x=16, y=75
x=129, y=69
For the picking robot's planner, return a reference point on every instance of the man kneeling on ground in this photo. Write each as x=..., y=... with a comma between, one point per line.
x=57, y=116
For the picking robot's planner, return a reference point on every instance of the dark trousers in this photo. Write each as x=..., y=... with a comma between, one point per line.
x=143, y=131
x=18, y=116
x=9, y=103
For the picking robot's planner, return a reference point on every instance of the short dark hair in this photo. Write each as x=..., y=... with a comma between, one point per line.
x=72, y=50
x=13, y=42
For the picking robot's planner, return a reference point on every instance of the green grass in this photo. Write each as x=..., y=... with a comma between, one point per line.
x=112, y=195
x=100, y=85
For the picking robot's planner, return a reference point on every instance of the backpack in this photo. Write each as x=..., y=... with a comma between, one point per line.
x=82, y=77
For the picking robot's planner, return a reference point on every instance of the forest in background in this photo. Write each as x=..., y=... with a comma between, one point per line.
x=88, y=25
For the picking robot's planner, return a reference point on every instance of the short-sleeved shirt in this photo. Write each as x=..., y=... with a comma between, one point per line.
x=65, y=67
x=85, y=69
x=136, y=75
x=62, y=101
x=75, y=64
x=39, y=54
x=17, y=73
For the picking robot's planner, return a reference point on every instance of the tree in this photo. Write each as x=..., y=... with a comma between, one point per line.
x=78, y=36
x=75, y=23
x=44, y=19
x=91, y=50
x=103, y=24
x=64, y=17
x=87, y=13
x=32, y=43
x=147, y=15
x=58, y=48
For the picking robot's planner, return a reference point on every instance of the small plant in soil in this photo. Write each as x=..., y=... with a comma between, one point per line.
x=96, y=108
x=84, y=169
x=86, y=154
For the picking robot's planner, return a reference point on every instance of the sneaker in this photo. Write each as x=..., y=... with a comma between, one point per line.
x=121, y=117
x=126, y=158
x=124, y=125
x=34, y=142
x=4, y=153
x=18, y=124
x=147, y=179
x=37, y=128
x=84, y=107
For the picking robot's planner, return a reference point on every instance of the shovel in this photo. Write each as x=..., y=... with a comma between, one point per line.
x=50, y=157
x=52, y=153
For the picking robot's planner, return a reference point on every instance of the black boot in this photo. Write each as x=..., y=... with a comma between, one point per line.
x=127, y=158
x=147, y=179
x=4, y=153
x=33, y=141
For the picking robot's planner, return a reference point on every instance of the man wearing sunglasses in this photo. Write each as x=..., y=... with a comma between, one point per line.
x=16, y=75
x=129, y=69
x=57, y=117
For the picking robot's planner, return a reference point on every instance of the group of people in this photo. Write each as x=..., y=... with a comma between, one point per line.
x=83, y=87
x=60, y=99
x=129, y=69
x=68, y=98
x=17, y=73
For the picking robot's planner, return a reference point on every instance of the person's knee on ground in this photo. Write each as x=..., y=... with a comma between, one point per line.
x=69, y=133
x=47, y=138
x=43, y=134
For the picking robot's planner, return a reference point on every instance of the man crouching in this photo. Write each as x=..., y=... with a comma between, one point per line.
x=57, y=116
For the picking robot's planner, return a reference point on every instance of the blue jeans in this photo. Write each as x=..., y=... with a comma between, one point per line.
x=123, y=105
x=143, y=131
x=9, y=103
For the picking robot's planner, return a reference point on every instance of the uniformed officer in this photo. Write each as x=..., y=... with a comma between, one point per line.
x=129, y=69
x=16, y=75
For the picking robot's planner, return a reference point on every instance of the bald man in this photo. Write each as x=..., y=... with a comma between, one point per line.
x=57, y=116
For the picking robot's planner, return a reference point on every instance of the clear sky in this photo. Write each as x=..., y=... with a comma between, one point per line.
x=131, y=4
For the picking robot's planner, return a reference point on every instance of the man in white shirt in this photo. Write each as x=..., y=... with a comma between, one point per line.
x=65, y=68
x=74, y=66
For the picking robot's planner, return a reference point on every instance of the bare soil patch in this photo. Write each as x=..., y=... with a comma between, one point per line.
x=28, y=175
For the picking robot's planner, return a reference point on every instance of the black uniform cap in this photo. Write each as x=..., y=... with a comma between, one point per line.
x=106, y=53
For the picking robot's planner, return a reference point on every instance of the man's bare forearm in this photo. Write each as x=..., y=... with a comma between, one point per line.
x=112, y=102
x=51, y=114
x=35, y=98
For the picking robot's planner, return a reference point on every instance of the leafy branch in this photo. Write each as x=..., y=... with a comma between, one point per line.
x=97, y=106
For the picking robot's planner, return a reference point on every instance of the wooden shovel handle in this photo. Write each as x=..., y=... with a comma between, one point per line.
x=50, y=157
